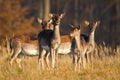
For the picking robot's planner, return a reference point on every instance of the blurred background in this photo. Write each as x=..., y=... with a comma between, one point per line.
x=20, y=16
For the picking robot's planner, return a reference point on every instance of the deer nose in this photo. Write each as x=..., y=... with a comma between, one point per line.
x=57, y=22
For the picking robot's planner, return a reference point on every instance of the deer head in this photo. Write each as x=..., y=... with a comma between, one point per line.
x=45, y=24
x=92, y=26
x=75, y=31
x=56, y=18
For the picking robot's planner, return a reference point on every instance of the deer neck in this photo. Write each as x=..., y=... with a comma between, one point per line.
x=91, y=37
x=77, y=40
x=57, y=33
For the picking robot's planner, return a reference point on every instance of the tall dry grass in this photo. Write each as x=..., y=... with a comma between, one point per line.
x=104, y=67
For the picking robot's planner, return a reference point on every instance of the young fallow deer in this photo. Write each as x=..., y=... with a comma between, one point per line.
x=91, y=42
x=78, y=48
x=24, y=45
x=49, y=41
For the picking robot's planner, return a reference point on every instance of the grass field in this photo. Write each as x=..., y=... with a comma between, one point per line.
x=104, y=68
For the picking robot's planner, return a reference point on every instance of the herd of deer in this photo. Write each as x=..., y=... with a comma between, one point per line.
x=50, y=42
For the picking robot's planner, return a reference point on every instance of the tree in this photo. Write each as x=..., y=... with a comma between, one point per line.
x=44, y=9
x=13, y=17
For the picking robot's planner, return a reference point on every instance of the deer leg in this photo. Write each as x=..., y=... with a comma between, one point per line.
x=15, y=54
x=53, y=57
x=88, y=57
x=19, y=59
x=56, y=58
x=76, y=58
x=83, y=60
x=47, y=60
x=41, y=58
x=90, y=53
x=73, y=57
x=79, y=63
x=12, y=51
x=92, y=59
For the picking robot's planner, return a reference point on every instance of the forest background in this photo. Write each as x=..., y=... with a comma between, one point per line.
x=20, y=16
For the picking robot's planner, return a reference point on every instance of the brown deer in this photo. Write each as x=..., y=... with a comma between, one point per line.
x=49, y=41
x=78, y=48
x=65, y=46
x=90, y=40
x=24, y=44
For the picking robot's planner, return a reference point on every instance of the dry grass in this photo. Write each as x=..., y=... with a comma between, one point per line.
x=106, y=68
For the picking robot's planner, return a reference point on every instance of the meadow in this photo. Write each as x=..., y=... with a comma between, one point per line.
x=105, y=66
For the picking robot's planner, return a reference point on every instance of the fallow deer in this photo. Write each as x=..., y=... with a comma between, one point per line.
x=90, y=40
x=27, y=39
x=65, y=46
x=78, y=48
x=49, y=41
x=24, y=45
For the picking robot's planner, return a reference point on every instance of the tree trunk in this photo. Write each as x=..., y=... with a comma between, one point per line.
x=46, y=9
x=41, y=9
x=76, y=12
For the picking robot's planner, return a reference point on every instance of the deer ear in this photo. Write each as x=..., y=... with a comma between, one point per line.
x=71, y=26
x=49, y=21
x=98, y=22
x=61, y=15
x=50, y=15
x=39, y=20
x=86, y=22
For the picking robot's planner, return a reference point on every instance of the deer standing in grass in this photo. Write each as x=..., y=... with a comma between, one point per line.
x=49, y=41
x=24, y=45
x=79, y=48
x=91, y=42
x=30, y=47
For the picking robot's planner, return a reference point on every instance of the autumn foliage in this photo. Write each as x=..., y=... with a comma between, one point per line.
x=13, y=17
